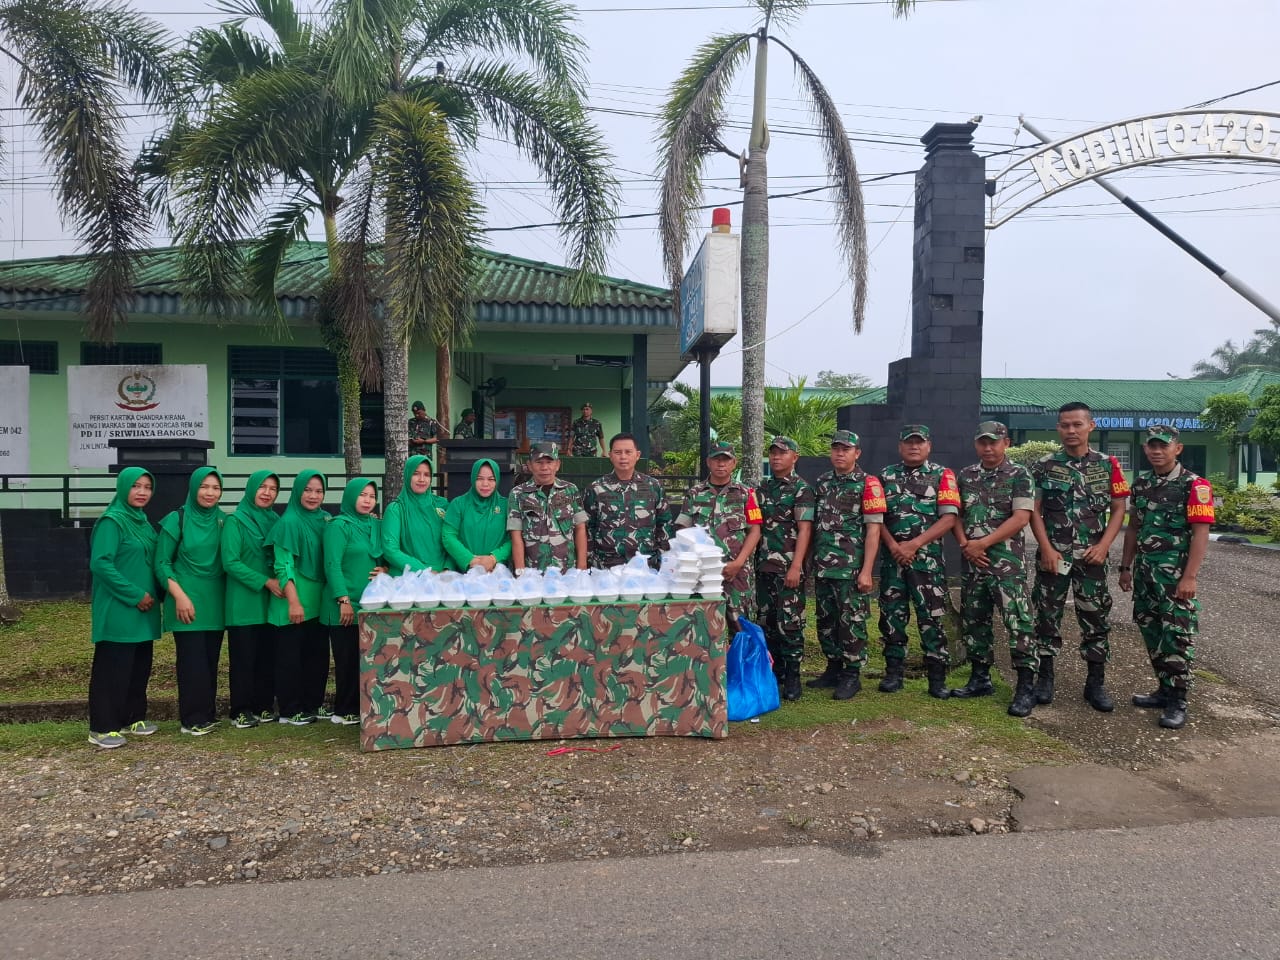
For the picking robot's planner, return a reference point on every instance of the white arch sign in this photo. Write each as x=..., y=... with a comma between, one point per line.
x=1142, y=141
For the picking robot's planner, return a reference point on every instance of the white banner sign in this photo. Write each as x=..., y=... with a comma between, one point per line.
x=15, y=406
x=169, y=402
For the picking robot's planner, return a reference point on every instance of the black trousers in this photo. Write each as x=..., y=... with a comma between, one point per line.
x=118, y=685
x=302, y=667
x=345, y=642
x=198, y=655
x=252, y=654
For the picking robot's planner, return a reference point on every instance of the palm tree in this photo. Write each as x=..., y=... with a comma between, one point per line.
x=435, y=73
x=809, y=421
x=78, y=64
x=263, y=147
x=691, y=126
x=677, y=423
x=1260, y=352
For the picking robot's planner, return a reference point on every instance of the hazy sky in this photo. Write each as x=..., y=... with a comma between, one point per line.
x=1077, y=287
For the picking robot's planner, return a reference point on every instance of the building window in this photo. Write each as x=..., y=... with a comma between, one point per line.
x=40, y=355
x=373, y=433
x=532, y=425
x=1123, y=452
x=120, y=354
x=284, y=400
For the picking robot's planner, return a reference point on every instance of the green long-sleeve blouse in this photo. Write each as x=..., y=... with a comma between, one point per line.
x=122, y=574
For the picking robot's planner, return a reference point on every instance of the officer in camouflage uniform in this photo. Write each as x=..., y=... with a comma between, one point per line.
x=586, y=435
x=996, y=499
x=627, y=511
x=849, y=510
x=786, y=503
x=545, y=516
x=424, y=431
x=922, y=501
x=466, y=428
x=1164, y=546
x=1075, y=488
x=728, y=510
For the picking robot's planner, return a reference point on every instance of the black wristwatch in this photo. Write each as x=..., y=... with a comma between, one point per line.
x=1126, y=569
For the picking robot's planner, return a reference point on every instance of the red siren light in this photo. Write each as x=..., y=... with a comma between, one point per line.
x=721, y=220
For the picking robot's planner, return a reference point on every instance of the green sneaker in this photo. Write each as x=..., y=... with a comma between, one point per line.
x=244, y=721
x=323, y=713
x=200, y=729
x=267, y=716
x=345, y=720
x=107, y=741
x=140, y=728
x=299, y=719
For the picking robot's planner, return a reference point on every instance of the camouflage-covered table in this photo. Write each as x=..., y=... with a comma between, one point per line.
x=435, y=677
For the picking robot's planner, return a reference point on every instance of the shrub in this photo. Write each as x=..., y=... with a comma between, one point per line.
x=1031, y=451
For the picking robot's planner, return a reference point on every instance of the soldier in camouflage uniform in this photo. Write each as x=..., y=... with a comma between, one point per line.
x=545, y=516
x=586, y=435
x=1164, y=546
x=1075, y=488
x=728, y=509
x=786, y=503
x=466, y=428
x=922, y=501
x=996, y=499
x=424, y=431
x=848, y=515
x=627, y=511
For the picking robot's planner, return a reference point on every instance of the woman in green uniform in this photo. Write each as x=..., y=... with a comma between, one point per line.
x=412, y=529
x=189, y=567
x=125, y=615
x=302, y=649
x=352, y=555
x=475, y=525
x=251, y=583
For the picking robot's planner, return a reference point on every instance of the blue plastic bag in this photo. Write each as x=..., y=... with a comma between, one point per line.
x=750, y=686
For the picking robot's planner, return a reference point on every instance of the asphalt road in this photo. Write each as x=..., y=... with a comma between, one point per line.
x=1191, y=890
x=1239, y=589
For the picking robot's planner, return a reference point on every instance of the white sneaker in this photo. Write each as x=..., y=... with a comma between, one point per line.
x=345, y=720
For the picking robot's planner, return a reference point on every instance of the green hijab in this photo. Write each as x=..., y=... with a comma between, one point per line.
x=420, y=520
x=132, y=521
x=481, y=522
x=301, y=531
x=366, y=525
x=257, y=521
x=199, y=531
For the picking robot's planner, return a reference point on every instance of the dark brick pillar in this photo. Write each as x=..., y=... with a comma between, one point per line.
x=940, y=384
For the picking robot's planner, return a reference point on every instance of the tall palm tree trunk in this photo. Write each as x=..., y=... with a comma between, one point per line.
x=444, y=377
x=755, y=274
x=348, y=372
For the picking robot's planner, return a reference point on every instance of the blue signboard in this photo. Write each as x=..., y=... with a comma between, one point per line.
x=693, y=302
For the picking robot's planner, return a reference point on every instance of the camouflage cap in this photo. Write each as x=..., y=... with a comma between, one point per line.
x=722, y=448
x=547, y=450
x=914, y=430
x=1164, y=432
x=468, y=412
x=419, y=405
x=786, y=443
x=991, y=430
x=845, y=438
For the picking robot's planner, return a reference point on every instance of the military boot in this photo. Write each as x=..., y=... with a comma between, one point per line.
x=892, y=681
x=938, y=680
x=1095, y=694
x=1024, y=694
x=790, y=681
x=1044, y=681
x=827, y=679
x=848, y=685
x=1174, y=714
x=1150, y=701
x=979, y=684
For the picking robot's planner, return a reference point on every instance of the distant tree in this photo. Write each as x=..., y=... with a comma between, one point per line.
x=1224, y=412
x=1266, y=425
x=809, y=421
x=1260, y=352
x=677, y=430
x=852, y=382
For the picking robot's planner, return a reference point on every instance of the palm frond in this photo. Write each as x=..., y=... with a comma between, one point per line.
x=689, y=130
x=546, y=33
x=569, y=153
x=223, y=55
x=280, y=16
x=139, y=50
x=355, y=294
x=433, y=225
x=366, y=37
x=781, y=12
x=842, y=167
x=262, y=266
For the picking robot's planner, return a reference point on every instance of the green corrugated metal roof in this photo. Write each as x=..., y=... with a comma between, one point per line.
x=505, y=282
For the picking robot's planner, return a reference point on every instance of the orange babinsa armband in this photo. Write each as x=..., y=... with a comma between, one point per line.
x=1119, y=483
x=948, y=490
x=873, y=500
x=754, y=516
x=1200, y=501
